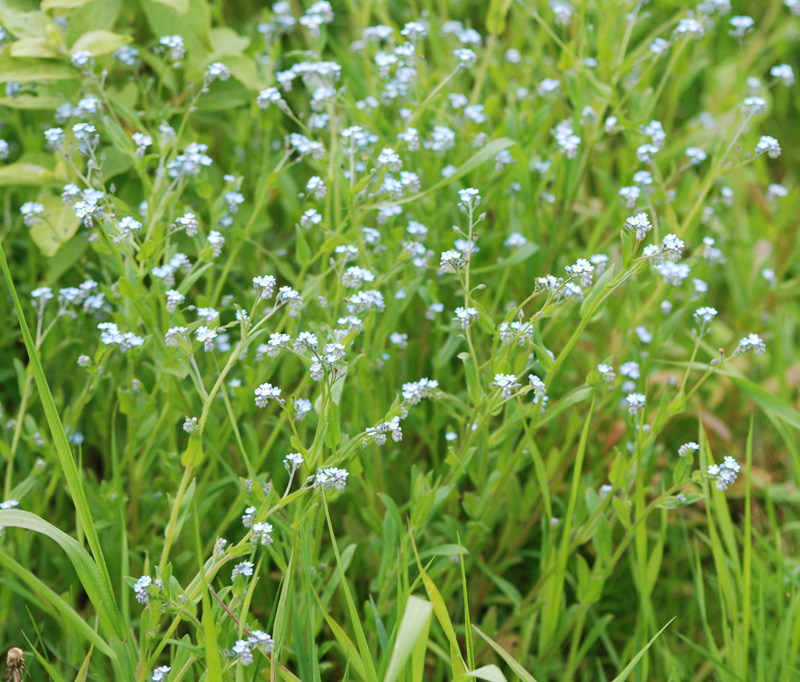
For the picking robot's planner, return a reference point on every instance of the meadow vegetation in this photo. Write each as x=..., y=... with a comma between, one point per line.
x=387, y=341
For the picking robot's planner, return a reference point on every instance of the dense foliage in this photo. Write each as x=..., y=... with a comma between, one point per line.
x=378, y=342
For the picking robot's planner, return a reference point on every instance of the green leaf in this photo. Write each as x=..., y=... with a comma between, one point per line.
x=62, y=4
x=225, y=42
x=680, y=473
x=623, y=510
x=98, y=579
x=496, y=16
x=350, y=649
x=602, y=539
x=768, y=402
x=457, y=664
x=97, y=587
x=505, y=586
x=100, y=42
x=180, y=6
x=628, y=669
x=211, y=646
x=31, y=70
x=392, y=509
x=473, y=389
x=627, y=248
x=24, y=24
x=598, y=290
x=33, y=47
x=69, y=614
x=243, y=69
x=619, y=469
x=58, y=227
x=54, y=674
x=370, y=674
x=22, y=173
x=93, y=15
x=302, y=249
x=31, y=102
x=194, y=24
x=194, y=453
x=512, y=663
x=83, y=673
x=333, y=432
x=415, y=623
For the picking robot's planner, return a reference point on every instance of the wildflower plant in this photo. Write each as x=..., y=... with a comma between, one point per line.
x=352, y=343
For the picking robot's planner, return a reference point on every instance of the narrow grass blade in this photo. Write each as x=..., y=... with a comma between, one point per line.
x=456, y=660
x=93, y=581
x=355, y=619
x=68, y=466
x=512, y=663
x=350, y=649
x=69, y=614
x=213, y=659
x=628, y=669
x=54, y=674
x=83, y=673
x=708, y=655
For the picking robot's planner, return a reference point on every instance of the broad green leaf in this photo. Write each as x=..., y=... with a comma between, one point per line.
x=100, y=42
x=31, y=102
x=225, y=42
x=180, y=6
x=22, y=173
x=56, y=229
x=91, y=16
x=193, y=454
x=32, y=70
x=193, y=25
x=416, y=619
x=24, y=24
x=230, y=95
x=243, y=69
x=33, y=47
x=62, y=4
